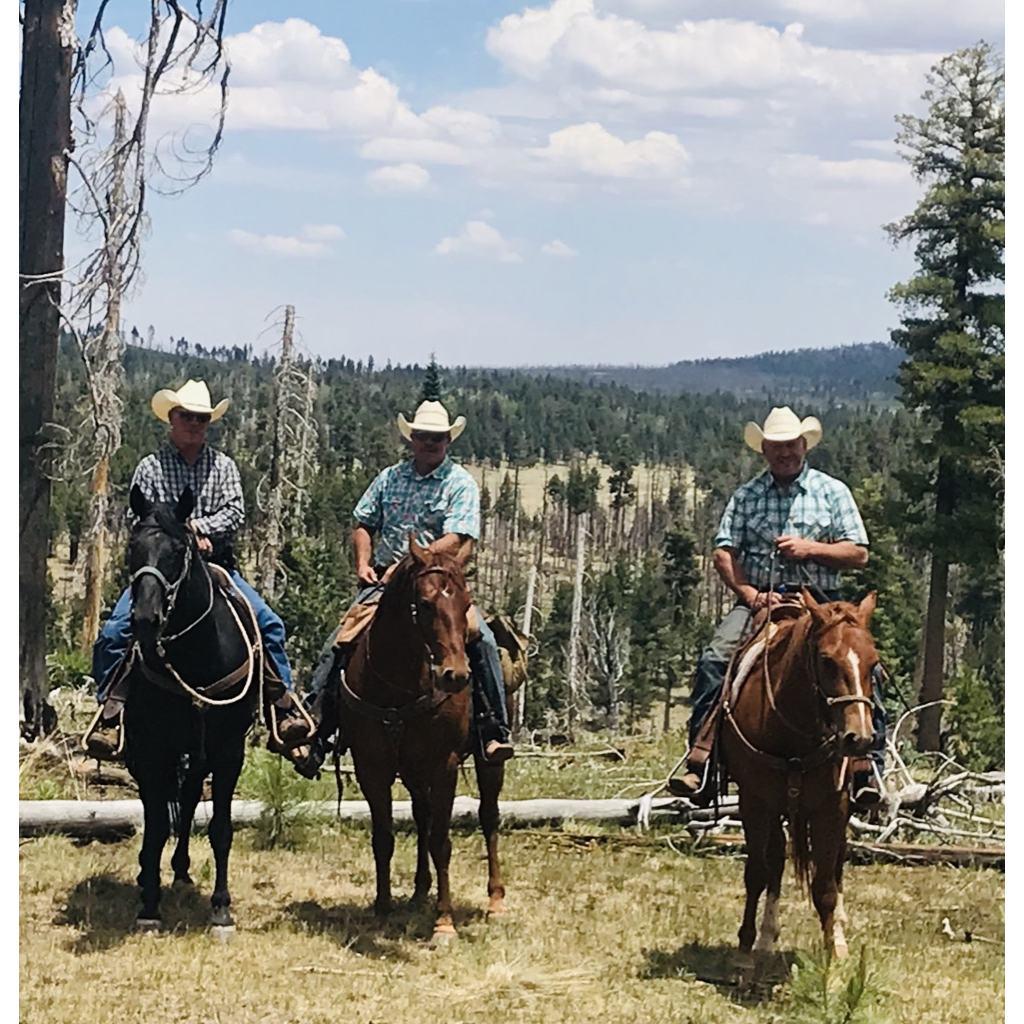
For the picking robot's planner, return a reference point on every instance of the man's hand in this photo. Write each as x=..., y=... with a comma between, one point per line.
x=753, y=598
x=367, y=575
x=204, y=544
x=796, y=548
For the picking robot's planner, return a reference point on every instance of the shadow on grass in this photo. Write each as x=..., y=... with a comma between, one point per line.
x=716, y=965
x=358, y=928
x=104, y=909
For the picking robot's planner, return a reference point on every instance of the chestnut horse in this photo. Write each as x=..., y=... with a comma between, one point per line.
x=804, y=706
x=408, y=701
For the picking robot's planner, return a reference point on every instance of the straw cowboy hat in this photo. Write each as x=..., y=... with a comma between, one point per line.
x=431, y=418
x=783, y=425
x=192, y=396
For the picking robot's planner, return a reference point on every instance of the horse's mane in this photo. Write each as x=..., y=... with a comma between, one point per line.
x=794, y=634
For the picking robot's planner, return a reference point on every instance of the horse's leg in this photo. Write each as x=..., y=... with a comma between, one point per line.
x=191, y=790
x=840, y=918
x=827, y=842
x=490, y=778
x=442, y=794
x=768, y=934
x=226, y=770
x=154, y=793
x=376, y=786
x=421, y=815
x=756, y=830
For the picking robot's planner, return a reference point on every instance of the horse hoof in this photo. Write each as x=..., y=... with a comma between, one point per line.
x=444, y=935
x=148, y=925
x=841, y=950
x=497, y=909
x=183, y=882
x=223, y=933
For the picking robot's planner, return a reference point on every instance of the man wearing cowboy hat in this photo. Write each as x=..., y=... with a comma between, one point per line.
x=438, y=501
x=790, y=526
x=185, y=460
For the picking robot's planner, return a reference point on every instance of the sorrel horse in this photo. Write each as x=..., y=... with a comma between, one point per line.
x=195, y=681
x=803, y=708
x=407, y=698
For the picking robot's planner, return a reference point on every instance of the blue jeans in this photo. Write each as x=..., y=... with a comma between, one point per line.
x=710, y=675
x=116, y=638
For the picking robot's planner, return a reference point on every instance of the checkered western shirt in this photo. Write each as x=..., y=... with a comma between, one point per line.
x=213, y=477
x=814, y=506
x=446, y=500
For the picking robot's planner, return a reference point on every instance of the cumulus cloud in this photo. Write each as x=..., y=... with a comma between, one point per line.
x=479, y=239
x=592, y=150
x=311, y=242
x=556, y=247
x=843, y=172
x=399, y=178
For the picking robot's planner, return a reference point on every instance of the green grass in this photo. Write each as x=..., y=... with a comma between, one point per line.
x=615, y=931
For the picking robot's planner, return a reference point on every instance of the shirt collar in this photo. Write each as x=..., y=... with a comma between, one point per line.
x=439, y=472
x=203, y=453
x=799, y=484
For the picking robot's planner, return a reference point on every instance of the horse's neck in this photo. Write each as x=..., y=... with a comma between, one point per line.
x=395, y=650
x=213, y=646
x=793, y=691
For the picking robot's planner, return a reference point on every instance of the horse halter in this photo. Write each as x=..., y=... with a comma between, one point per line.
x=171, y=589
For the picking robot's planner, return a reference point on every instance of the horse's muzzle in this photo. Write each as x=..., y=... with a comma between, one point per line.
x=451, y=680
x=854, y=743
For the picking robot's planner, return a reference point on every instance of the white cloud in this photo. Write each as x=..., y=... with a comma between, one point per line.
x=556, y=247
x=590, y=149
x=310, y=242
x=843, y=172
x=478, y=238
x=322, y=232
x=399, y=178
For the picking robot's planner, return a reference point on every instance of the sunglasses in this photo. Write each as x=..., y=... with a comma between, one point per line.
x=419, y=435
x=194, y=417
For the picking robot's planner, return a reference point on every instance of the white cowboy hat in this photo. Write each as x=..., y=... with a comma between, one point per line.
x=431, y=418
x=783, y=424
x=192, y=396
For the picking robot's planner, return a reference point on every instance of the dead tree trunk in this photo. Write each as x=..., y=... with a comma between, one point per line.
x=575, y=681
x=45, y=137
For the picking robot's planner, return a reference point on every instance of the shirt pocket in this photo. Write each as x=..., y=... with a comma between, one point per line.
x=813, y=526
x=435, y=514
x=759, y=534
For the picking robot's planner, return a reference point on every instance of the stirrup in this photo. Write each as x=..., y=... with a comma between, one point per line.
x=275, y=715
x=94, y=725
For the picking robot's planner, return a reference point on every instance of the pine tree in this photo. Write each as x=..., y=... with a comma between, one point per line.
x=952, y=325
x=431, y=390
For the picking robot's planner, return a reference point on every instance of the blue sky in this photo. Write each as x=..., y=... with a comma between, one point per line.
x=572, y=181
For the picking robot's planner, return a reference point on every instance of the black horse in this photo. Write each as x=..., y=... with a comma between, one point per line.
x=195, y=683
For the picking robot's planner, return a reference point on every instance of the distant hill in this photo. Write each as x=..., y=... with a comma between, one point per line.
x=850, y=373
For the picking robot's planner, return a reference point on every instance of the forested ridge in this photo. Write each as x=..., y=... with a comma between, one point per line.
x=651, y=597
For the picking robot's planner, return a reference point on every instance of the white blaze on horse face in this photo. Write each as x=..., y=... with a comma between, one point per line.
x=858, y=689
x=768, y=934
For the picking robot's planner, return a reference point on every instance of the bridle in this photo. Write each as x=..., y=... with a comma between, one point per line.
x=171, y=589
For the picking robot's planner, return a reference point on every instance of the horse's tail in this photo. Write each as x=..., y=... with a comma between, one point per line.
x=800, y=848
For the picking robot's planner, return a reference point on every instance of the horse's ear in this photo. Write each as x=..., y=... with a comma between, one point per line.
x=867, y=607
x=139, y=503
x=465, y=551
x=418, y=552
x=186, y=503
x=808, y=597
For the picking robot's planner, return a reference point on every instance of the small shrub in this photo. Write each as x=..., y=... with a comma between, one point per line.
x=827, y=991
x=976, y=733
x=271, y=780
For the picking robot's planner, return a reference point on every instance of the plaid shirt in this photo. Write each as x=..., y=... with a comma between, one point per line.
x=214, y=479
x=446, y=500
x=815, y=506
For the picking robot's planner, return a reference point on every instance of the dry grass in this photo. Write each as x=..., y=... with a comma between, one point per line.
x=607, y=931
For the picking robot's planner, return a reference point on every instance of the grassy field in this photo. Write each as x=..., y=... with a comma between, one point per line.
x=604, y=925
x=603, y=929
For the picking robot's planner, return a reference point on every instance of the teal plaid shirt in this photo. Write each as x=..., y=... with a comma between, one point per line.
x=815, y=506
x=446, y=500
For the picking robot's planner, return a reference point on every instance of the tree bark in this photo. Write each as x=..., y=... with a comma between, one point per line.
x=933, y=672
x=45, y=136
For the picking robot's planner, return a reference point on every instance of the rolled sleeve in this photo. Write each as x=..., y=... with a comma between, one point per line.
x=463, y=515
x=725, y=537
x=369, y=510
x=846, y=515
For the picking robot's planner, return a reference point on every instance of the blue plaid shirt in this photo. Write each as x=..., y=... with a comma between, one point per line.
x=213, y=477
x=815, y=506
x=446, y=500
